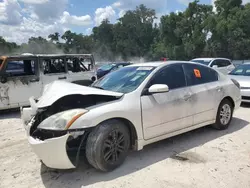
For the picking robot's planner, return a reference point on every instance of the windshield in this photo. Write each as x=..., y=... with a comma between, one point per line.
x=243, y=70
x=204, y=62
x=124, y=80
x=107, y=67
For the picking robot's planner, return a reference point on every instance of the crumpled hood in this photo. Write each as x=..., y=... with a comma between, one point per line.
x=244, y=81
x=58, y=89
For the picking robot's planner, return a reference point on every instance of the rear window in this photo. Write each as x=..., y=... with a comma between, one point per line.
x=198, y=74
x=221, y=63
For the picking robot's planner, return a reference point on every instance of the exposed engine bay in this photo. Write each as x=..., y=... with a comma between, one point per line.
x=75, y=145
x=63, y=104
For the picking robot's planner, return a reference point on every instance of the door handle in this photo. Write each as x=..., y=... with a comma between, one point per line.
x=62, y=78
x=187, y=97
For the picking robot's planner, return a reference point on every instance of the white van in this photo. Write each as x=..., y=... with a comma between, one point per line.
x=26, y=75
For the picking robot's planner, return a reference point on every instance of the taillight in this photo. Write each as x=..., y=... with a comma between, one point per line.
x=236, y=83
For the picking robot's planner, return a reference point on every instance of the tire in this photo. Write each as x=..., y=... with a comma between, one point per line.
x=108, y=145
x=223, y=121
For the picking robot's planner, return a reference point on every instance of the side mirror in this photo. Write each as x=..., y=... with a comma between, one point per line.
x=215, y=66
x=158, y=88
x=113, y=69
x=3, y=79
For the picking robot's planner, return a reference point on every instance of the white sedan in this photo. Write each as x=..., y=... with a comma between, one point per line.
x=127, y=109
x=220, y=64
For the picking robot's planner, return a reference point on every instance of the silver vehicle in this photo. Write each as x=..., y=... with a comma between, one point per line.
x=242, y=75
x=221, y=64
x=127, y=109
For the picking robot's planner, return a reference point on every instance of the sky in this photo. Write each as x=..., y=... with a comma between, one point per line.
x=21, y=19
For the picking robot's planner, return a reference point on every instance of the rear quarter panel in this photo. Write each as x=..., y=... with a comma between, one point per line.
x=229, y=89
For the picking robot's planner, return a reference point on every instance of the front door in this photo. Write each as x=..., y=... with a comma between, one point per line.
x=164, y=113
x=22, y=82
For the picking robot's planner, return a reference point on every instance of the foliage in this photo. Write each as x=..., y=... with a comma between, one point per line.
x=197, y=31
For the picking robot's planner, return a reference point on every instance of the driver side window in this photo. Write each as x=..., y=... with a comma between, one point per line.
x=172, y=75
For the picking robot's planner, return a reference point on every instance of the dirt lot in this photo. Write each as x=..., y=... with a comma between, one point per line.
x=201, y=158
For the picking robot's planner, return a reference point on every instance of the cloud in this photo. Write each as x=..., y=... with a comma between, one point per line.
x=185, y=2
x=88, y=31
x=158, y=5
x=48, y=11
x=29, y=28
x=117, y=4
x=36, y=18
x=104, y=13
x=122, y=13
x=34, y=1
x=10, y=12
x=75, y=20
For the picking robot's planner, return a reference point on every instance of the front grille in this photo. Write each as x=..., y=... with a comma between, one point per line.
x=245, y=98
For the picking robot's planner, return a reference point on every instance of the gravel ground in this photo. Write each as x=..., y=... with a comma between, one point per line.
x=201, y=158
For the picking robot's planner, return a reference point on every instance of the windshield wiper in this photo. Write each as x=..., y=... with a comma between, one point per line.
x=98, y=87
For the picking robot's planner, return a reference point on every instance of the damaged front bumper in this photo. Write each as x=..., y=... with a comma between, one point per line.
x=54, y=150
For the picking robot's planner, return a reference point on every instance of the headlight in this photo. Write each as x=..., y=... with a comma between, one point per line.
x=62, y=120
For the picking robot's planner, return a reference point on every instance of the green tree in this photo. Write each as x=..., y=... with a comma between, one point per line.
x=134, y=33
x=185, y=33
x=54, y=37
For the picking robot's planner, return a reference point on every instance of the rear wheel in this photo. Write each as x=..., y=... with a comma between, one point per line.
x=108, y=145
x=224, y=115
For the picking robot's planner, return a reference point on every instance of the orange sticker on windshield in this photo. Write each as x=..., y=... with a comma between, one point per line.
x=197, y=73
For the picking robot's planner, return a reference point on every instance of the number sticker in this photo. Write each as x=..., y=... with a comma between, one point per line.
x=197, y=73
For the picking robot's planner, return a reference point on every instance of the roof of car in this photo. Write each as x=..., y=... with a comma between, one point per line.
x=157, y=63
x=209, y=59
x=121, y=63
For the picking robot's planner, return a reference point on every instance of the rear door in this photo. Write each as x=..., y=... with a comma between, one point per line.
x=204, y=85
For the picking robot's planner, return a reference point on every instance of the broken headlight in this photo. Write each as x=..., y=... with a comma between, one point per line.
x=62, y=120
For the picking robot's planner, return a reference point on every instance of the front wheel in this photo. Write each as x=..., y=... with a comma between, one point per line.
x=224, y=115
x=108, y=145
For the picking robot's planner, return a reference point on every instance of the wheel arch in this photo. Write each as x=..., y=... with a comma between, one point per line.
x=230, y=99
x=131, y=128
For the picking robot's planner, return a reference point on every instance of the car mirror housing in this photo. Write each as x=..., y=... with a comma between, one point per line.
x=215, y=66
x=158, y=88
